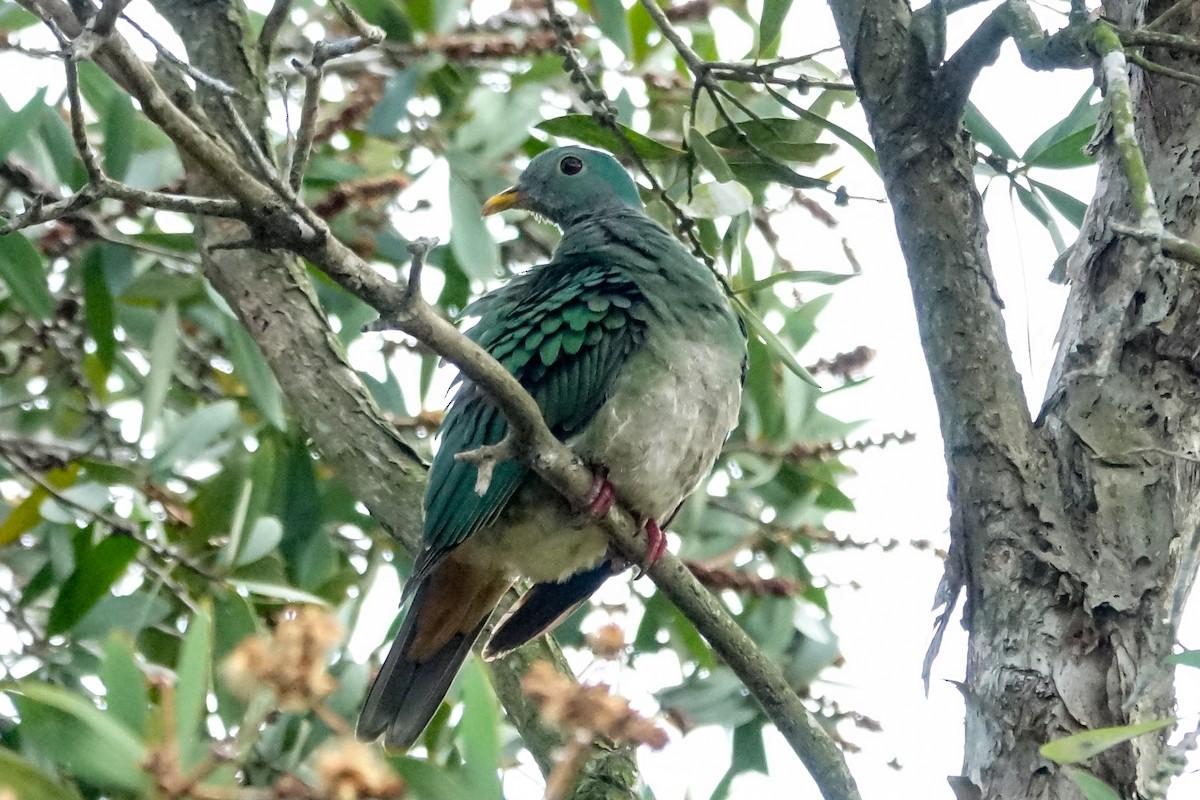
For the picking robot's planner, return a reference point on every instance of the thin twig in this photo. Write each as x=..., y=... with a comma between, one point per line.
x=1161, y=69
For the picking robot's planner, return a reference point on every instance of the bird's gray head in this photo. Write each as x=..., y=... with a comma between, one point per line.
x=565, y=184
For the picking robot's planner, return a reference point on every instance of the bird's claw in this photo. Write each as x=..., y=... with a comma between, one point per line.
x=602, y=496
x=655, y=547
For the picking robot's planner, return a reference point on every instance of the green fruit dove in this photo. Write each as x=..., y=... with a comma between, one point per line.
x=635, y=358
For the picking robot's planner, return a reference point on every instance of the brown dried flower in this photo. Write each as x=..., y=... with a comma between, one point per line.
x=347, y=769
x=608, y=642
x=290, y=661
x=589, y=710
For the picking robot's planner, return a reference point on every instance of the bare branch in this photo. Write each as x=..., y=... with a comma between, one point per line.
x=271, y=27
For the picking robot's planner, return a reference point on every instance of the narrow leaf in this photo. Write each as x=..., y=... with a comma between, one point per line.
x=18, y=127
x=774, y=12
x=192, y=674
x=22, y=269
x=1081, y=118
x=479, y=733
x=1092, y=787
x=125, y=691
x=275, y=591
x=473, y=246
x=251, y=367
x=98, y=307
x=1082, y=746
x=191, y=436
x=582, y=128
x=164, y=348
x=797, y=276
x=774, y=344
x=708, y=156
x=1070, y=207
x=611, y=19
x=80, y=738
x=21, y=780
x=118, y=138
x=712, y=200
x=986, y=134
x=90, y=581
x=28, y=513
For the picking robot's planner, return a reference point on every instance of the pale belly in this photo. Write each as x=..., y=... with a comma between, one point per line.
x=658, y=435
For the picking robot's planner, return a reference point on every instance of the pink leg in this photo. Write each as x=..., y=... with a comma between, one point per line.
x=657, y=543
x=602, y=496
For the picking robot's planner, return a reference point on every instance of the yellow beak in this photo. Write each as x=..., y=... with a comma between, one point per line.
x=509, y=198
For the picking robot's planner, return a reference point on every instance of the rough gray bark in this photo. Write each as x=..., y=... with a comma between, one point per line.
x=1073, y=536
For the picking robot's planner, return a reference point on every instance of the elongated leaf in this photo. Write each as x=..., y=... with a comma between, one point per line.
x=98, y=307
x=125, y=692
x=774, y=12
x=252, y=368
x=708, y=156
x=798, y=276
x=92, y=578
x=118, y=138
x=78, y=737
x=1082, y=746
x=774, y=344
x=192, y=435
x=473, y=246
x=192, y=674
x=1188, y=658
x=1081, y=118
x=263, y=538
x=22, y=269
x=1092, y=787
x=582, y=128
x=1034, y=205
x=28, y=513
x=19, y=127
x=164, y=348
x=15, y=18
x=1070, y=207
x=21, y=780
x=288, y=594
x=1067, y=153
x=428, y=781
x=479, y=733
x=611, y=19
x=986, y=134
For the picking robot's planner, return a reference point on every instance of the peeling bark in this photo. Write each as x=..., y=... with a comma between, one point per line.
x=1074, y=538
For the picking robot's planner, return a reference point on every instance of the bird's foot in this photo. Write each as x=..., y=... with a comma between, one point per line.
x=655, y=547
x=602, y=496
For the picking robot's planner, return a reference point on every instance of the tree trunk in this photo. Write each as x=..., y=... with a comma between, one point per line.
x=1075, y=535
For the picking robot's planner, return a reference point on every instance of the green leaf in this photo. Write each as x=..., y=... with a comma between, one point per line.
x=190, y=436
x=708, y=156
x=263, y=538
x=785, y=138
x=1081, y=119
x=1067, y=153
x=611, y=19
x=1082, y=746
x=164, y=349
x=98, y=306
x=78, y=737
x=479, y=733
x=429, y=781
x=1188, y=658
x=91, y=580
x=1034, y=205
x=22, y=269
x=986, y=134
x=774, y=12
x=23, y=781
x=287, y=594
x=774, y=344
x=859, y=146
x=118, y=136
x=125, y=692
x=251, y=367
x=758, y=170
x=470, y=240
x=582, y=128
x=712, y=200
x=18, y=127
x=1071, y=208
x=28, y=513
x=15, y=18
x=131, y=613
x=1092, y=787
x=796, y=276
x=192, y=674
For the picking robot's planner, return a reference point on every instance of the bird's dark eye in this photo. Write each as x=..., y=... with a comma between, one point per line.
x=570, y=165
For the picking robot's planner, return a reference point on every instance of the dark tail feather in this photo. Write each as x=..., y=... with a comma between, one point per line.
x=543, y=607
x=407, y=693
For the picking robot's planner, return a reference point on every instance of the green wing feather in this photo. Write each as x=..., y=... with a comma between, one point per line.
x=564, y=330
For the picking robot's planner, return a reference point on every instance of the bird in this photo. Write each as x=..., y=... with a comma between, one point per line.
x=636, y=359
